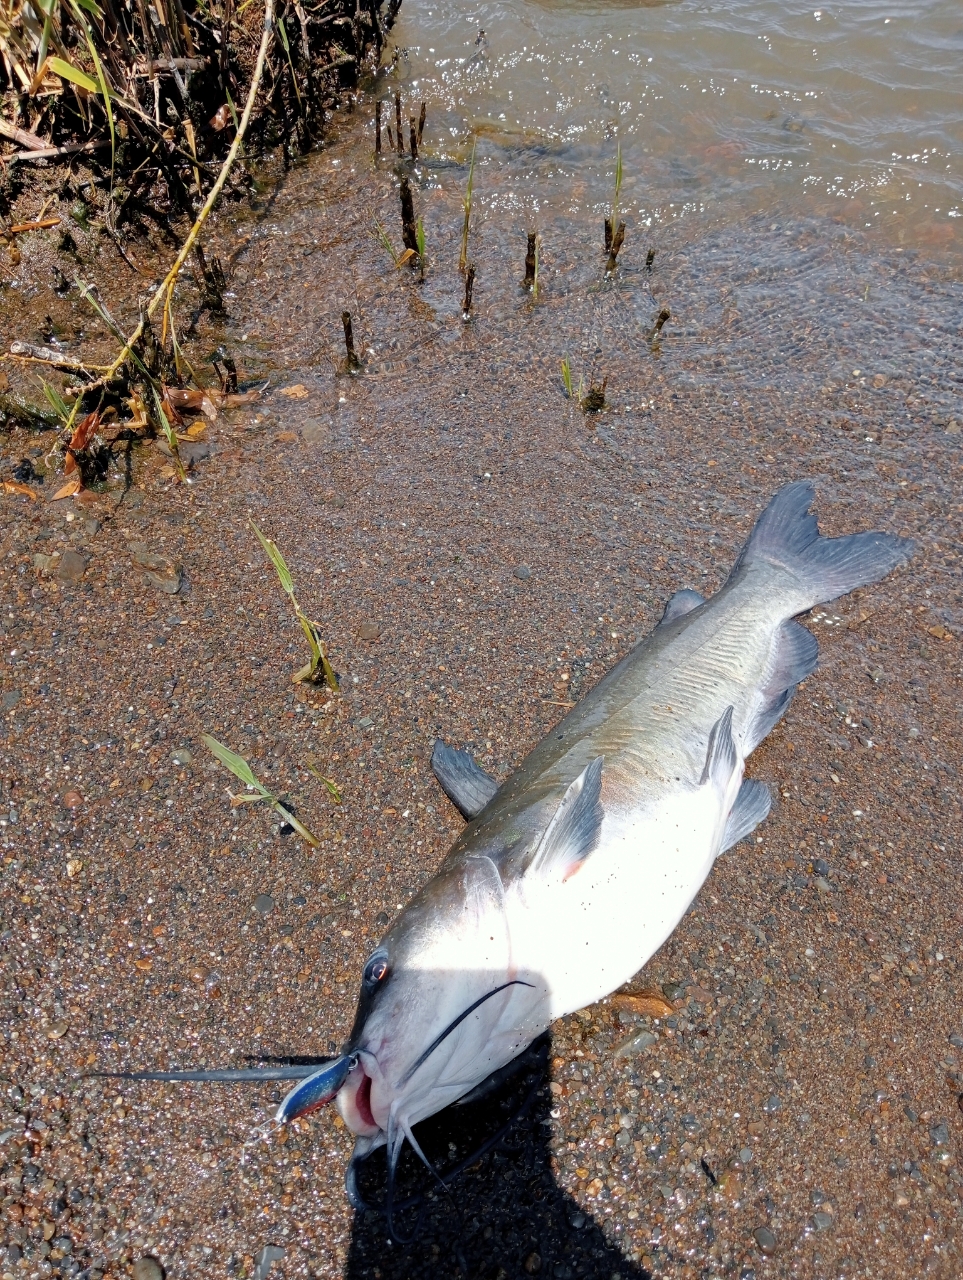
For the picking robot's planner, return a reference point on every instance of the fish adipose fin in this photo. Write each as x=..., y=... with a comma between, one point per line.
x=786, y=534
x=575, y=827
x=679, y=605
x=795, y=655
x=752, y=805
x=721, y=756
x=464, y=782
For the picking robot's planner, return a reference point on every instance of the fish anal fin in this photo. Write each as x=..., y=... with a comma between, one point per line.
x=752, y=805
x=463, y=780
x=574, y=830
x=679, y=605
x=721, y=758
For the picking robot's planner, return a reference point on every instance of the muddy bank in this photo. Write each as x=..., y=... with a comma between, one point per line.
x=479, y=552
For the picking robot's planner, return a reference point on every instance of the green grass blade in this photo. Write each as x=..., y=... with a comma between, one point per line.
x=235, y=763
x=67, y=71
x=567, y=377
x=56, y=401
x=274, y=555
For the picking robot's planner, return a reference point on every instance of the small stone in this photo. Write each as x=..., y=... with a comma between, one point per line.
x=745, y=1155
x=369, y=631
x=772, y=1105
x=10, y=699
x=365, y=722
x=532, y=1264
x=316, y=432
x=265, y=1258
x=73, y=799
x=190, y=452
x=92, y=525
x=956, y=1041
x=523, y=572
x=263, y=904
x=820, y=867
x=147, y=1268
x=74, y=868
x=183, y=756
x=673, y=990
x=953, y=428
x=822, y=1221
x=159, y=570
x=72, y=567
x=765, y=1241
x=940, y=1134
x=636, y=1044
x=822, y=885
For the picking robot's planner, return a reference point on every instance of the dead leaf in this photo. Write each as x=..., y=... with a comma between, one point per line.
x=940, y=632
x=221, y=118
x=70, y=489
x=12, y=486
x=138, y=418
x=404, y=258
x=298, y=392
x=647, y=1003
x=193, y=432
x=192, y=400
x=84, y=432
x=38, y=225
x=286, y=437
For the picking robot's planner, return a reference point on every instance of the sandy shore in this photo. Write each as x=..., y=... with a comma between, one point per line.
x=478, y=552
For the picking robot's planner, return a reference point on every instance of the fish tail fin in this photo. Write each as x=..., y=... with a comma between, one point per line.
x=786, y=535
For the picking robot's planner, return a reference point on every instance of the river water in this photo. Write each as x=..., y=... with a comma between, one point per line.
x=721, y=110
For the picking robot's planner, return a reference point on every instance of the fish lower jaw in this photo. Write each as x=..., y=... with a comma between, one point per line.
x=354, y=1104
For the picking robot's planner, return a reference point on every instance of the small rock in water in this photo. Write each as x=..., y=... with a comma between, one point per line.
x=72, y=567
x=264, y=1260
x=147, y=1268
x=635, y=1044
x=765, y=1240
x=673, y=990
x=772, y=1105
x=953, y=428
x=263, y=904
x=822, y=1221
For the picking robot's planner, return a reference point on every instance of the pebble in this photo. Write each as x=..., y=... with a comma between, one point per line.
x=523, y=571
x=183, y=756
x=822, y=1221
x=953, y=428
x=369, y=631
x=147, y=1268
x=316, y=432
x=159, y=570
x=765, y=1240
x=635, y=1044
x=72, y=567
x=265, y=1259
x=73, y=799
x=10, y=699
x=772, y=1104
x=263, y=904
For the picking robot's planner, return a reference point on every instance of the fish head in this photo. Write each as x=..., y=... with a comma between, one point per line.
x=441, y=1006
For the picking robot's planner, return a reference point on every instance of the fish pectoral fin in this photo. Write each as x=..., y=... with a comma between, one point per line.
x=679, y=605
x=463, y=780
x=575, y=827
x=721, y=756
x=752, y=805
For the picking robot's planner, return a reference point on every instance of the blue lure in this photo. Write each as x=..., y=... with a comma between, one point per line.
x=316, y=1089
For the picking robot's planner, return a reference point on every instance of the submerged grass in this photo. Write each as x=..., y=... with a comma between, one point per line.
x=241, y=770
x=466, y=204
x=318, y=667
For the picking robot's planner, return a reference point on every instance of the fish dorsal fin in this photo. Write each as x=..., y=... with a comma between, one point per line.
x=721, y=753
x=679, y=605
x=574, y=829
x=463, y=780
x=752, y=805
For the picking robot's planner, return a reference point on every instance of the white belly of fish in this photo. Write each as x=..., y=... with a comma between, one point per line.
x=587, y=935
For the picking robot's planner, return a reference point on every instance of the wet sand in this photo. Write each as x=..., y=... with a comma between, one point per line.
x=505, y=550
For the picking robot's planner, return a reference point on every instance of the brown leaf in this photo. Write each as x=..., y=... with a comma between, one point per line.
x=84, y=432
x=298, y=392
x=221, y=118
x=240, y=397
x=404, y=258
x=11, y=486
x=648, y=1003
x=70, y=489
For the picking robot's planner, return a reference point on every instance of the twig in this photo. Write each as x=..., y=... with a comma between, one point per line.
x=24, y=138
x=55, y=153
x=48, y=355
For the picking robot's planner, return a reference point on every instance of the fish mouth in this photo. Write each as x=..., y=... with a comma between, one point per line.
x=354, y=1103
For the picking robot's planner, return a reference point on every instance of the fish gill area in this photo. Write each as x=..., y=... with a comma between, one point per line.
x=476, y=540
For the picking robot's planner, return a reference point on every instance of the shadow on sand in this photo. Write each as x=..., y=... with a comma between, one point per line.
x=504, y=1215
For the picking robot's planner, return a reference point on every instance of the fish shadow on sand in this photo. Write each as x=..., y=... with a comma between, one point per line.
x=502, y=1209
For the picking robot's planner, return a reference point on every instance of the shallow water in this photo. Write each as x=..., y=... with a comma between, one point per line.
x=721, y=109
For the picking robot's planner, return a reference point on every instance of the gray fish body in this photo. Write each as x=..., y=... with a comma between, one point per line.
x=585, y=859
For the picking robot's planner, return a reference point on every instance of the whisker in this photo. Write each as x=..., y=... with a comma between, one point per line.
x=515, y=982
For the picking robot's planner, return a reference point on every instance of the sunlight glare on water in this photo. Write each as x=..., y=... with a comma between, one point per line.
x=853, y=109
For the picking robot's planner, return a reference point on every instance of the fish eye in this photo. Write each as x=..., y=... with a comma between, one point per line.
x=375, y=970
